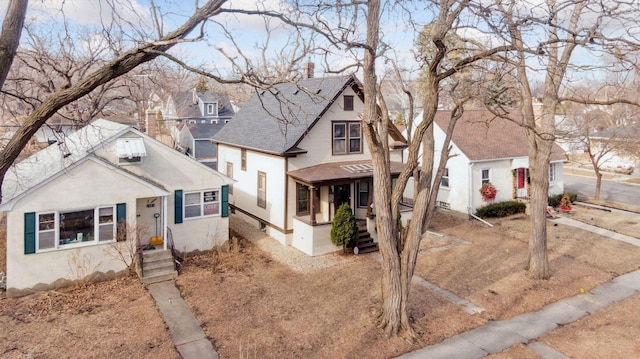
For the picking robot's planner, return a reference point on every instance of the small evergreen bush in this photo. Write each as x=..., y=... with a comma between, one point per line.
x=554, y=201
x=343, y=228
x=501, y=209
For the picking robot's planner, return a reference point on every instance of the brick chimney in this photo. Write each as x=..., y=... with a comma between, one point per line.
x=309, y=69
x=151, y=123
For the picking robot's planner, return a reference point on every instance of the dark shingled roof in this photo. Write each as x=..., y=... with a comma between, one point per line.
x=204, y=149
x=276, y=120
x=481, y=135
x=185, y=108
x=205, y=130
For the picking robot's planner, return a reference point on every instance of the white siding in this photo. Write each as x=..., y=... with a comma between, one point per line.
x=312, y=240
x=245, y=196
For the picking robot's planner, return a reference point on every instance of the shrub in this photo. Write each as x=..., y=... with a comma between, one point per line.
x=501, y=209
x=343, y=228
x=554, y=201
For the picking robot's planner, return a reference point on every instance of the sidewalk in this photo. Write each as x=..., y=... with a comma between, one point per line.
x=497, y=336
x=187, y=334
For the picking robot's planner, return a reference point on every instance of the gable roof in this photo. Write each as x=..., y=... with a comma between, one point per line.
x=187, y=109
x=56, y=158
x=77, y=147
x=276, y=120
x=481, y=135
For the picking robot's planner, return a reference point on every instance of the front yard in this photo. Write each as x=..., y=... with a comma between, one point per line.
x=253, y=306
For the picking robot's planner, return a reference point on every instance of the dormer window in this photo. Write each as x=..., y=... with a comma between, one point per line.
x=130, y=150
x=212, y=109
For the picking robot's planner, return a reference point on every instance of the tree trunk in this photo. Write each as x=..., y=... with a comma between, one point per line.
x=538, y=262
x=596, y=195
x=10, y=37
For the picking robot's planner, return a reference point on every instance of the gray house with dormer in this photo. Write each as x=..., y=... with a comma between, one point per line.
x=194, y=117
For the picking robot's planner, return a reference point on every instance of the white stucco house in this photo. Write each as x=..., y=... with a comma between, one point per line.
x=486, y=148
x=105, y=185
x=297, y=152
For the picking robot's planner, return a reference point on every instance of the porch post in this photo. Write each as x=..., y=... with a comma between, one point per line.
x=164, y=222
x=312, y=205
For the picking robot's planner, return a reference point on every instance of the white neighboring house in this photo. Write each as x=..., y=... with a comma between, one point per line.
x=68, y=204
x=485, y=148
x=297, y=152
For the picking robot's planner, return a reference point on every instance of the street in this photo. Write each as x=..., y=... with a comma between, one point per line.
x=614, y=191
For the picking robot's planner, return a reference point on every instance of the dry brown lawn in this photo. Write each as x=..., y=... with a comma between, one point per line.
x=252, y=306
x=113, y=319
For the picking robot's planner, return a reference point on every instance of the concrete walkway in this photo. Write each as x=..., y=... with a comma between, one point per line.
x=497, y=336
x=500, y=335
x=185, y=329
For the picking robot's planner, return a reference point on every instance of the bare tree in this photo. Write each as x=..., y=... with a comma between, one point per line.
x=562, y=27
x=443, y=61
x=608, y=147
x=121, y=63
x=10, y=36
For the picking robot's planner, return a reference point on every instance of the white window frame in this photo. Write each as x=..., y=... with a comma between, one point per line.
x=484, y=179
x=347, y=138
x=445, y=176
x=261, y=190
x=552, y=172
x=74, y=243
x=212, y=108
x=202, y=203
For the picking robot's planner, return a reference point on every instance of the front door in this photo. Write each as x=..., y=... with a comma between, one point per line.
x=521, y=182
x=341, y=194
x=149, y=226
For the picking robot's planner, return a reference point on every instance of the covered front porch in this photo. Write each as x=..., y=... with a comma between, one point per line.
x=319, y=192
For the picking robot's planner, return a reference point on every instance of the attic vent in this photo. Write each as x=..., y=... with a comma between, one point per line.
x=317, y=92
x=296, y=92
x=130, y=150
x=261, y=92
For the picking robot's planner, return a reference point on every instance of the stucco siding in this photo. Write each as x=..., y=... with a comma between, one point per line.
x=169, y=168
x=87, y=183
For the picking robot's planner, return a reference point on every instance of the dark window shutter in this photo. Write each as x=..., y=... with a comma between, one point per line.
x=177, y=201
x=225, y=201
x=121, y=222
x=29, y=233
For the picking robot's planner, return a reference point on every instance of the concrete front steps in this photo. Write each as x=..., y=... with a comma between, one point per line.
x=157, y=266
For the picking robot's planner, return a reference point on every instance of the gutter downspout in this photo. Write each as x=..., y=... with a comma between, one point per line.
x=479, y=219
x=469, y=208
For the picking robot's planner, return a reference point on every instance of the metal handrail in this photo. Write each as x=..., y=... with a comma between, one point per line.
x=176, y=264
